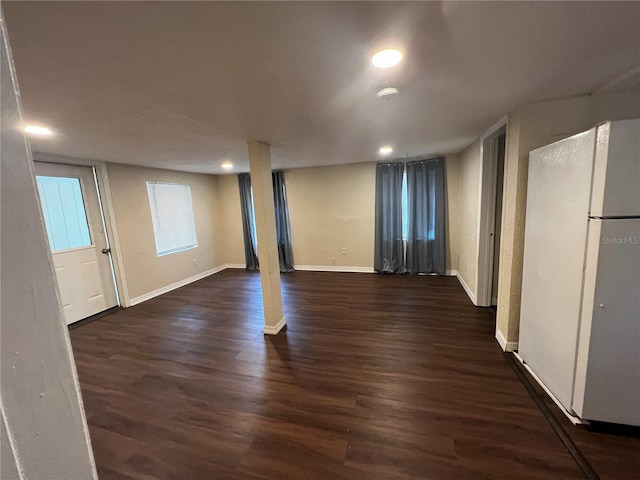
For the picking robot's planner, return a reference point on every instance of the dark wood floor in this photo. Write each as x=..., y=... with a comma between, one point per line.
x=375, y=377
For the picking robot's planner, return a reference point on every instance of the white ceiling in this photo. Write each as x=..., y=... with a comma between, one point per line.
x=184, y=85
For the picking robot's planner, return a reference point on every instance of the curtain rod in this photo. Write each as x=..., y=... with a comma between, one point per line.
x=411, y=159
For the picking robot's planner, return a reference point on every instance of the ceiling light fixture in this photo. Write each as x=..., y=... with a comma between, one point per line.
x=387, y=58
x=387, y=92
x=386, y=150
x=227, y=165
x=38, y=130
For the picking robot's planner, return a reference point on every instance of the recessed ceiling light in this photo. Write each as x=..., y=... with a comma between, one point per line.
x=386, y=150
x=387, y=92
x=387, y=58
x=227, y=165
x=38, y=130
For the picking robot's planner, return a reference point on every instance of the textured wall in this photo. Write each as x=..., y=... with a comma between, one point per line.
x=532, y=126
x=452, y=165
x=332, y=208
x=229, y=241
x=468, y=208
x=145, y=271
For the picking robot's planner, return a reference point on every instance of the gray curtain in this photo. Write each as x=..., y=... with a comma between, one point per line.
x=283, y=231
x=246, y=205
x=426, y=243
x=388, y=254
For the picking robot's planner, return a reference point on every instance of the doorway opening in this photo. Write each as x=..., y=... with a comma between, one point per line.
x=77, y=234
x=493, y=146
x=497, y=215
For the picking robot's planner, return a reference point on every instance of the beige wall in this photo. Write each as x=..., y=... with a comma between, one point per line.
x=330, y=208
x=334, y=207
x=530, y=127
x=144, y=270
x=453, y=165
x=229, y=238
x=467, y=218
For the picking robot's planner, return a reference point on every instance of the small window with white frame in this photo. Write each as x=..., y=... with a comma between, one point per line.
x=172, y=215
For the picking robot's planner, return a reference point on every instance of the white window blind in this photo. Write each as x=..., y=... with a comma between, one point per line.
x=172, y=215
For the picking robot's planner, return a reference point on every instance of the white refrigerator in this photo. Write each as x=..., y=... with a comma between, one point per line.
x=580, y=310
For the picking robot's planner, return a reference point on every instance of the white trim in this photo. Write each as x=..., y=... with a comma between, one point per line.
x=466, y=288
x=169, y=238
x=12, y=442
x=235, y=265
x=274, y=330
x=114, y=237
x=572, y=418
x=486, y=211
x=506, y=346
x=173, y=286
x=501, y=340
x=343, y=269
x=334, y=268
x=104, y=191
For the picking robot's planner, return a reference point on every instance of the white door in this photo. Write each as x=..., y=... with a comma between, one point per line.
x=607, y=384
x=555, y=237
x=78, y=242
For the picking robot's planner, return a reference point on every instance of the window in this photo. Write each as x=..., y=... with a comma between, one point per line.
x=64, y=213
x=431, y=218
x=172, y=216
x=410, y=223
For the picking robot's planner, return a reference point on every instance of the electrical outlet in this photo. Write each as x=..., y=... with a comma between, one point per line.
x=333, y=261
x=344, y=251
x=194, y=262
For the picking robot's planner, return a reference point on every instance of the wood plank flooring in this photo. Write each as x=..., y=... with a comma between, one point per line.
x=375, y=377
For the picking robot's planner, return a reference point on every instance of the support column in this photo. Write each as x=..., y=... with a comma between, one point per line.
x=260, y=163
x=43, y=428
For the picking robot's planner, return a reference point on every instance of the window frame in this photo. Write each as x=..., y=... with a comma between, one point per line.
x=41, y=182
x=153, y=206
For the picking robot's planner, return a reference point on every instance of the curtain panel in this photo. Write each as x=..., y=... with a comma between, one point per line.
x=246, y=206
x=389, y=250
x=419, y=247
x=283, y=229
x=426, y=235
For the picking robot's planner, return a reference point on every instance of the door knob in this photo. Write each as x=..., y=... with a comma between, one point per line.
x=106, y=250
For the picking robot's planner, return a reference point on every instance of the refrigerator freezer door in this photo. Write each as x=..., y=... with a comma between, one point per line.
x=616, y=173
x=555, y=240
x=607, y=386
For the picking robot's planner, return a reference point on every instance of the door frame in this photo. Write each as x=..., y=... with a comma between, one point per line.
x=487, y=210
x=106, y=205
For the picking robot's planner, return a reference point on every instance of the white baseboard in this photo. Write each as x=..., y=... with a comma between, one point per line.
x=506, y=346
x=471, y=295
x=572, y=418
x=346, y=269
x=235, y=265
x=173, y=286
x=274, y=330
x=206, y=273
x=333, y=268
